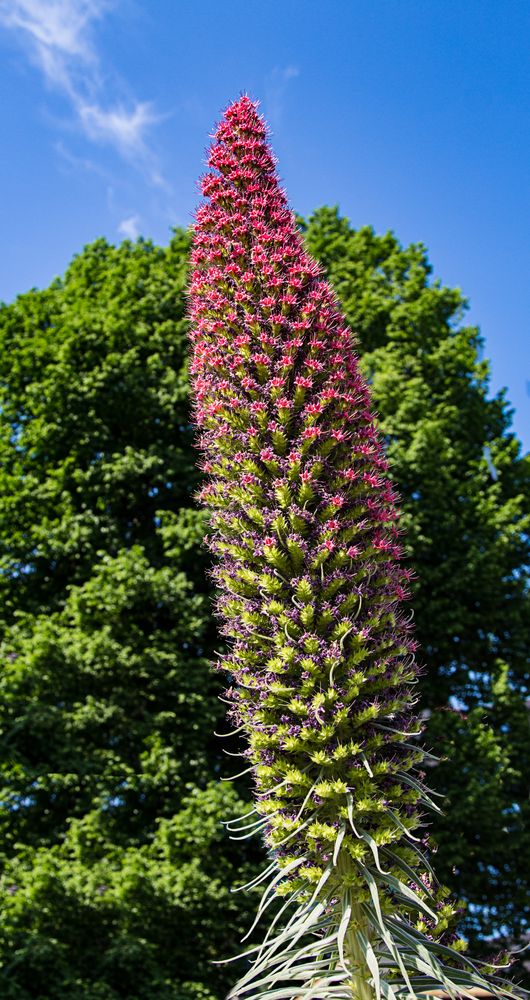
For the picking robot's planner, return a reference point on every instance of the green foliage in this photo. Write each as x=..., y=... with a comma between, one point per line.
x=466, y=496
x=107, y=705
x=116, y=869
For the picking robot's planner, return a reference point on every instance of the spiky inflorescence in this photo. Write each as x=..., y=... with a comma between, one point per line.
x=311, y=593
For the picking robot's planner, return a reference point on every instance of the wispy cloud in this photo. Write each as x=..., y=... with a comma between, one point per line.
x=275, y=89
x=130, y=227
x=58, y=37
x=85, y=163
x=58, y=27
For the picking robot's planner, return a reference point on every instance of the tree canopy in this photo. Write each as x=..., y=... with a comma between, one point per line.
x=116, y=870
x=465, y=491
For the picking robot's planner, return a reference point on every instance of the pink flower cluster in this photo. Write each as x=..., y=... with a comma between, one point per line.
x=311, y=590
x=302, y=511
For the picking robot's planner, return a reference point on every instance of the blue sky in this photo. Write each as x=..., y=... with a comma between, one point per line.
x=412, y=116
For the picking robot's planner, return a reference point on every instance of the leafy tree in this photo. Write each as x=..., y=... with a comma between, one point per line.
x=115, y=868
x=98, y=571
x=466, y=495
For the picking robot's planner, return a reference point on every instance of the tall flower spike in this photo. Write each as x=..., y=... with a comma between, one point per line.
x=310, y=593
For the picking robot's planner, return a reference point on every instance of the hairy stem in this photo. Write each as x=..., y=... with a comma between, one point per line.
x=355, y=956
x=357, y=930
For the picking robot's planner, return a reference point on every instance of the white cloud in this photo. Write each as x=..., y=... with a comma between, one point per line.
x=275, y=90
x=125, y=129
x=57, y=35
x=81, y=162
x=54, y=24
x=129, y=227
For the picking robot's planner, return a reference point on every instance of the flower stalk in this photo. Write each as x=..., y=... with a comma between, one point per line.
x=311, y=591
